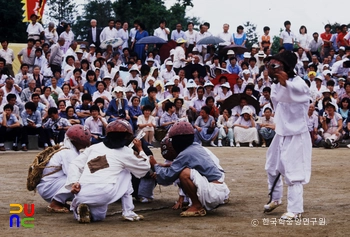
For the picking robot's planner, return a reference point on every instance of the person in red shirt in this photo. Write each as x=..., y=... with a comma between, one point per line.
x=326, y=37
x=340, y=38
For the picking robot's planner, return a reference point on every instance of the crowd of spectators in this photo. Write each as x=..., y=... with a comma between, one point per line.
x=61, y=83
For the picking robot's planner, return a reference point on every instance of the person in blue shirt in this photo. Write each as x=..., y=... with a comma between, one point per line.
x=118, y=108
x=233, y=67
x=90, y=85
x=83, y=110
x=9, y=127
x=32, y=123
x=200, y=177
x=151, y=98
x=135, y=111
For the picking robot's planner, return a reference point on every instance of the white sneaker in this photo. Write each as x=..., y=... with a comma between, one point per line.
x=52, y=142
x=237, y=144
x=250, y=144
x=348, y=146
x=133, y=217
x=219, y=143
x=328, y=142
x=231, y=144
x=213, y=144
x=272, y=206
x=291, y=216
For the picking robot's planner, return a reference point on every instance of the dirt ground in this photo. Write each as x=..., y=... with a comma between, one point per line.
x=326, y=197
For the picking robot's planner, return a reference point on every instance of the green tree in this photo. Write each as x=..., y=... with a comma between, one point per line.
x=150, y=12
x=100, y=10
x=62, y=10
x=250, y=30
x=11, y=25
x=276, y=43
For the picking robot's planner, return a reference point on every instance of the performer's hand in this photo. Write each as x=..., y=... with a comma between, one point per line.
x=75, y=188
x=177, y=206
x=282, y=77
x=137, y=144
x=152, y=161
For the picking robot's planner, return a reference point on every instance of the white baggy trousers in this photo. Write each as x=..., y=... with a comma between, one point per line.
x=98, y=196
x=291, y=157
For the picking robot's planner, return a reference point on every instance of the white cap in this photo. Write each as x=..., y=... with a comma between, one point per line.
x=169, y=83
x=79, y=51
x=172, y=52
x=176, y=77
x=150, y=78
x=169, y=63
x=246, y=110
x=195, y=49
x=255, y=45
x=118, y=89
x=230, y=52
x=129, y=89
x=246, y=55
x=191, y=84
x=261, y=54
x=150, y=60
x=134, y=68
x=246, y=71
x=181, y=40
x=342, y=48
x=325, y=72
x=92, y=45
x=208, y=83
x=226, y=84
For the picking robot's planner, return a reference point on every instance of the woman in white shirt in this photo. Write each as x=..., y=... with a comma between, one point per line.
x=225, y=124
x=68, y=36
x=303, y=39
x=102, y=93
x=147, y=122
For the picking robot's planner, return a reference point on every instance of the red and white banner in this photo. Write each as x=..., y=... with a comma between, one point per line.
x=33, y=7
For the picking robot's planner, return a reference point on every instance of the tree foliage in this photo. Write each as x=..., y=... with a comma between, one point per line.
x=62, y=10
x=150, y=12
x=250, y=30
x=276, y=43
x=11, y=25
x=334, y=25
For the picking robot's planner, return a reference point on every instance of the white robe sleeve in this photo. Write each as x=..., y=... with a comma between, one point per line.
x=137, y=166
x=76, y=168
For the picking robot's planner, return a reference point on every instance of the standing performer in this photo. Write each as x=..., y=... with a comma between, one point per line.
x=289, y=154
x=102, y=174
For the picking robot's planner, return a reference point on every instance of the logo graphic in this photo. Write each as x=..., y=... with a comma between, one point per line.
x=15, y=218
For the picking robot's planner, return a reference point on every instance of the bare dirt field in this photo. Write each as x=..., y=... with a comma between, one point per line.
x=326, y=198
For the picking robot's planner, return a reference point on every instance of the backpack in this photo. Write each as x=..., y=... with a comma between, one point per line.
x=35, y=172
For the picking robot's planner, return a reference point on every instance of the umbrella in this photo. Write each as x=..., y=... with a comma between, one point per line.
x=114, y=42
x=151, y=40
x=164, y=51
x=234, y=99
x=211, y=40
x=238, y=49
x=190, y=68
x=230, y=77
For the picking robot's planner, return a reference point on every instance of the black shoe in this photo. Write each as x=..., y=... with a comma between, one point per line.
x=15, y=148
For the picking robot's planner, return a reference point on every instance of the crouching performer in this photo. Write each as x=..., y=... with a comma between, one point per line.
x=52, y=184
x=102, y=174
x=199, y=176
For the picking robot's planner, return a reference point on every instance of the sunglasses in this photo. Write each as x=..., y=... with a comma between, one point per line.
x=274, y=66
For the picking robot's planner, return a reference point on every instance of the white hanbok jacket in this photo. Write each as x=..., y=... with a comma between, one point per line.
x=117, y=159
